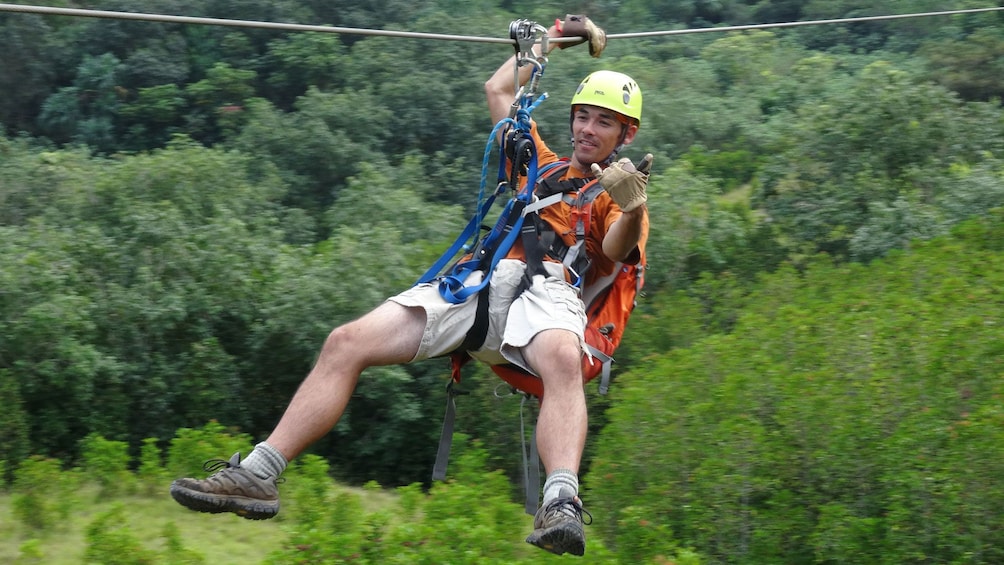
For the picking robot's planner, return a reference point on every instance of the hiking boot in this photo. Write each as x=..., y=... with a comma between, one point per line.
x=558, y=526
x=231, y=488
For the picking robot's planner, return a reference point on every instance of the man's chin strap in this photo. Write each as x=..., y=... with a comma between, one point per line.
x=610, y=159
x=613, y=155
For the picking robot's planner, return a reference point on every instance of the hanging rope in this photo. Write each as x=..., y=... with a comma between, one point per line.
x=163, y=18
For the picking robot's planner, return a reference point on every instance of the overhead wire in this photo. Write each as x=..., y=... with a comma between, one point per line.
x=804, y=23
x=192, y=20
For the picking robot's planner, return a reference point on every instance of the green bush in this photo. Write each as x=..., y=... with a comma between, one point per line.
x=111, y=542
x=30, y=552
x=107, y=463
x=191, y=448
x=150, y=472
x=175, y=553
x=43, y=494
x=305, y=490
x=468, y=519
x=330, y=535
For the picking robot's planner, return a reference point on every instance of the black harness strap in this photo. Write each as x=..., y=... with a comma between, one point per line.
x=479, y=329
x=532, y=249
x=551, y=185
x=531, y=233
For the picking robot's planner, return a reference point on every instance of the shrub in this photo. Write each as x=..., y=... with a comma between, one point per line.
x=308, y=490
x=111, y=542
x=30, y=552
x=191, y=448
x=43, y=496
x=151, y=472
x=175, y=553
x=107, y=463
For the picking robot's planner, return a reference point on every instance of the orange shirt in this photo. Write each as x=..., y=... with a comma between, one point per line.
x=559, y=216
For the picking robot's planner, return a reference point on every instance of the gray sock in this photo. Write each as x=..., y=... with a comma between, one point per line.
x=265, y=461
x=560, y=483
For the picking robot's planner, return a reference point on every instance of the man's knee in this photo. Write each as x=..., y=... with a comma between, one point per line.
x=389, y=334
x=339, y=339
x=563, y=367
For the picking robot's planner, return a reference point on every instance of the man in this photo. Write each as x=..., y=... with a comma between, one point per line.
x=539, y=328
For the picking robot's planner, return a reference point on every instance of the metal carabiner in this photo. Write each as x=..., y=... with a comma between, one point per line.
x=526, y=33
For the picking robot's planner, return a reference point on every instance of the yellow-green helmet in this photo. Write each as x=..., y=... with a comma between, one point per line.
x=611, y=90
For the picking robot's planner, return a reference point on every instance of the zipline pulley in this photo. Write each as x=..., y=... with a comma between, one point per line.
x=526, y=34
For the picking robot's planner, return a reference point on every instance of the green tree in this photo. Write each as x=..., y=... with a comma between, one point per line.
x=85, y=112
x=303, y=61
x=218, y=103
x=892, y=136
x=50, y=347
x=15, y=444
x=27, y=76
x=154, y=115
x=969, y=66
x=101, y=330
x=315, y=148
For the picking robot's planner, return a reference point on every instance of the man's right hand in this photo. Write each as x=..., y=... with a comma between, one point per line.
x=624, y=182
x=583, y=27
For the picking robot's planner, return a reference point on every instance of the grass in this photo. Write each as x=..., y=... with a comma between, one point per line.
x=219, y=538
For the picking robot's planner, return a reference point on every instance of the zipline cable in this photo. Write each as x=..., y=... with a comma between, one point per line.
x=164, y=18
x=803, y=23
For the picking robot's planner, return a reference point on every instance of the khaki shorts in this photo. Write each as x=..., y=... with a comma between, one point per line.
x=549, y=303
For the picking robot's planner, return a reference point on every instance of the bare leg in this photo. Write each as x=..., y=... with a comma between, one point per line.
x=561, y=437
x=563, y=421
x=388, y=335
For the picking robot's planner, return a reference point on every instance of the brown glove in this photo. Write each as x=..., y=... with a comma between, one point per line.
x=581, y=26
x=624, y=183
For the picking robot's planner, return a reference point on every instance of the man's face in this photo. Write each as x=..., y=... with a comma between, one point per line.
x=597, y=132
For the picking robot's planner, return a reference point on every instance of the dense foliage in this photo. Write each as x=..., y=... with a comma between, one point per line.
x=853, y=415
x=186, y=211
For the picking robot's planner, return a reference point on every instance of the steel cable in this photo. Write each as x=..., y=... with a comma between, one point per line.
x=165, y=18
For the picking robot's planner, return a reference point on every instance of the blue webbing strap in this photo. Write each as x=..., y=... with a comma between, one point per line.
x=469, y=232
x=452, y=286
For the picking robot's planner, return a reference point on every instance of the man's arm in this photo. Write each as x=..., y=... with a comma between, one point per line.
x=626, y=186
x=625, y=234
